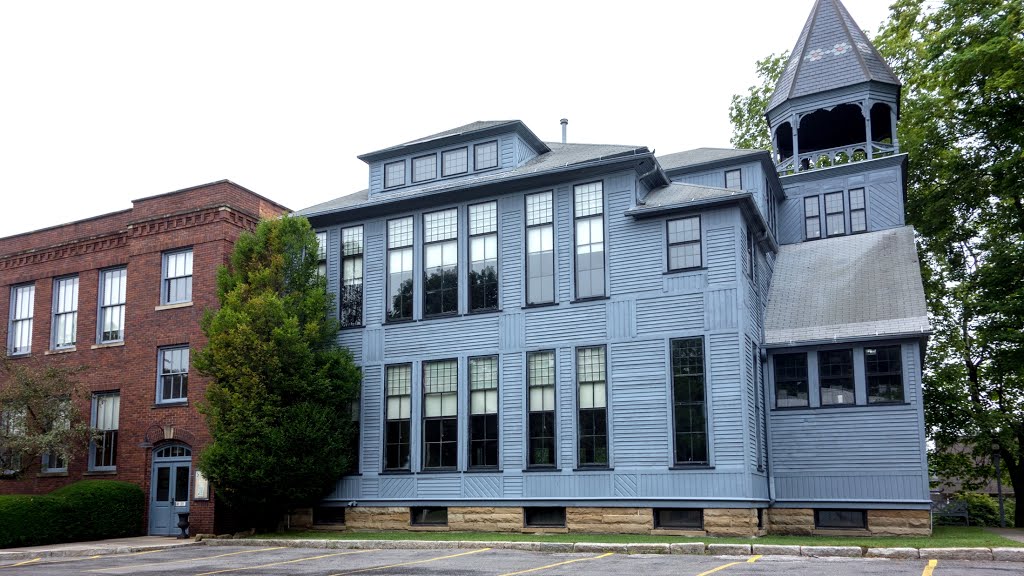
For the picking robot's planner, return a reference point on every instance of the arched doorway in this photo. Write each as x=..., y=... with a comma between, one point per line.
x=169, y=487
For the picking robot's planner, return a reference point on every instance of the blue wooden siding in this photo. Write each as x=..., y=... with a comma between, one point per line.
x=752, y=179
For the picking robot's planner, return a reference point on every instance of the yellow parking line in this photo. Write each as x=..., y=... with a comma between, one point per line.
x=372, y=568
x=557, y=564
x=284, y=562
x=184, y=560
x=751, y=560
x=930, y=568
x=23, y=563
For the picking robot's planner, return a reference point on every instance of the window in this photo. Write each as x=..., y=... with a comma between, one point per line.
x=679, y=518
x=835, y=220
x=23, y=300
x=394, y=174
x=424, y=168
x=684, y=248
x=485, y=155
x=441, y=262
x=106, y=409
x=441, y=414
x=352, y=276
x=790, y=380
x=592, y=397
x=400, y=285
x=540, y=382
x=113, y=288
x=65, y=312
x=54, y=462
x=177, y=285
x=589, y=213
x=454, y=162
x=483, y=410
x=321, y=254
x=540, y=248
x=751, y=262
x=835, y=377
x=398, y=384
x=858, y=211
x=544, y=517
x=172, y=379
x=483, y=257
x=12, y=425
x=733, y=180
x=769, y=201
x=423, y=516
x=812, y=218
x=884, y=372
x=688, y=401
x=841, y=519
x=328, y=515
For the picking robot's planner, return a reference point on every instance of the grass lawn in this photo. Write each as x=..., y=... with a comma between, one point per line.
x=942, y=537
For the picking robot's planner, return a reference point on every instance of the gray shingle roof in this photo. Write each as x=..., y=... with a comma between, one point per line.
x=703, y=156
x=679, y=194
x=846, y=288
x=479, y=128
x=832, y=52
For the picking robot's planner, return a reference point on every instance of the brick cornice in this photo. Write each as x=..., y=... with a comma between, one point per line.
x=72, y=249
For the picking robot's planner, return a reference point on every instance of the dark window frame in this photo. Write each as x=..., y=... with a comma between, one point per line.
x=497, y=156
x=103, y=446
x=678, y=405
x=421, y=515
x=352, y=315
x=576, y=219
x=858, y=519
x=739, y=179
x=550, y=428
x=384, y=174
x=751, y=255
x=389, y=309
x=412, y=163
x=699, y=242
x=864, y=210
x=530, y=514
x=526, y=248
x=679, y=524
x=321, y=253
x=816, y=216
x=824, y=364
x=806, y=378
x=594, y=412
x=445, y=173
x=485, y=417
x=445, y=273
x=441, y=421
x=869, y=374
x=841, y=212
x=403, y=425
x=469, y=261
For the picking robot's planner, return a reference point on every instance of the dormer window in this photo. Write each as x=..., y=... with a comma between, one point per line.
x=485, y=155
x=733, y=181
x=454, y=162
x=424, y=168
x=394, y=174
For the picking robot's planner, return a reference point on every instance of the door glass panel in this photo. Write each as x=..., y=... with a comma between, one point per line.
x=163, y=483
x=181, y=483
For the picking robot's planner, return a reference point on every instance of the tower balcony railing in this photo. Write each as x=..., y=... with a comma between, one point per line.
x=834, y=157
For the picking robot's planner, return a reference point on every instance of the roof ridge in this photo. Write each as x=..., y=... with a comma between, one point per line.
x=838, y=6
x=812, y=19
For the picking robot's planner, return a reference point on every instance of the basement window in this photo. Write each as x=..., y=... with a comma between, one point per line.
x=841, y=519
x=544, y=517
x=679, y=518
x=328, y=515
x=425, y=516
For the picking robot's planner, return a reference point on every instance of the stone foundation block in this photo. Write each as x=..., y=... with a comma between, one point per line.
x=487, y=519
x=300, y=518
x=894, y=553
x=609, y=520
x=791, y=521
x=729, y=549
x=957, y=553
x=687, y=548
x=832, y=551
x=776, y=550
x=730, y=521
x=377, y=518
x=899, y=522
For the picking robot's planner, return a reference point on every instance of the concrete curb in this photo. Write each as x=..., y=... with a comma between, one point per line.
x=77, y=552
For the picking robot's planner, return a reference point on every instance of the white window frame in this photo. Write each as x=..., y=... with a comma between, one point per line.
x=62, y=316
x=101, y=308
x=20, y=322
x=166, y=278
x=163, y=377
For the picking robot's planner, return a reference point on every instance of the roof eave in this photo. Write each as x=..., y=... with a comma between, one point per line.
x=919, y=334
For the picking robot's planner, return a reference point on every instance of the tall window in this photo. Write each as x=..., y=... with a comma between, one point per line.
x=400, y=285
x=483, y=410
x=441, y=262
x=688, y=401
x=352, y=276
x=540, y=381
x=592, y=395
x=751, y=261
x=835, y=376
x=483, y=256
x=172, y=385
x=398, y=382
x=113, y=289
x=441, y=414
x=684, y=249
x=65, y=312
x=394, y=174
x=540, y=248
x=454, y=162
x=23, y=301
x=321, y=254
x=589, y=211
x=733, y=179
x=858, y=211
x=790, y=380
x=884, y=372
x=835, y=220
x=177, y=277
x=424, y=168
x=12, y=425
x=812, y=218
x=485, y=155
x=106, y=410
x=53, y=461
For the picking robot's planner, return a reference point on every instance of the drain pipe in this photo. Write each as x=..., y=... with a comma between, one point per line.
x=565, y=124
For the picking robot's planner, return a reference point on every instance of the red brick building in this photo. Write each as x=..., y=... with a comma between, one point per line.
x=122, y=294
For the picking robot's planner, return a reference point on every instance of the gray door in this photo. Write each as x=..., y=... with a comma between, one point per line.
x=169, y=489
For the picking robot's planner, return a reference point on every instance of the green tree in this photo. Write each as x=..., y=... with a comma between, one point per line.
x=747, y=111
x=39, y=414
x=278, y=407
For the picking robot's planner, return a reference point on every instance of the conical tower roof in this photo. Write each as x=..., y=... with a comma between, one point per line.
x=832, y=52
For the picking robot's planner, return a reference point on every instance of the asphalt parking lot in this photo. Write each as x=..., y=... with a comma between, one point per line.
x=256, y=561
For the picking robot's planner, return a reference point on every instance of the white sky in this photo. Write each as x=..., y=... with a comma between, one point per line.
x=104, y=102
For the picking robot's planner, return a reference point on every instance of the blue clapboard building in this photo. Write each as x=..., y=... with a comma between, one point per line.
x=578, y=337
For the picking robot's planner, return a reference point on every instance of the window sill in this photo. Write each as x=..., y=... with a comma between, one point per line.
x=839, y=406
x=840, y=532
x=439, y=471
x=483, y=470
x=107, y=345
x=427, y=318
x=545, y=530
x=359, y=327
x=396, y=473
x=60, y=350
x=589, y=299
x=20, y=355
x=53, y=474
x=100, y=473
x=429, y=528
x=691, y=467
x=539, y=469
x=684, y=271
x=483, y=312
x=593, y=469
x=540, y=305
x=391, y=322
x=173, y=306
x=162, y=405
x=686, y=532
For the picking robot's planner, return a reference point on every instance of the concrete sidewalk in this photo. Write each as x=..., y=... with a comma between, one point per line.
x=95, y=548
x=1011, y=533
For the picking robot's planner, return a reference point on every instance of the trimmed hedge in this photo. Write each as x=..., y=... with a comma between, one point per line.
x=86, y=510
